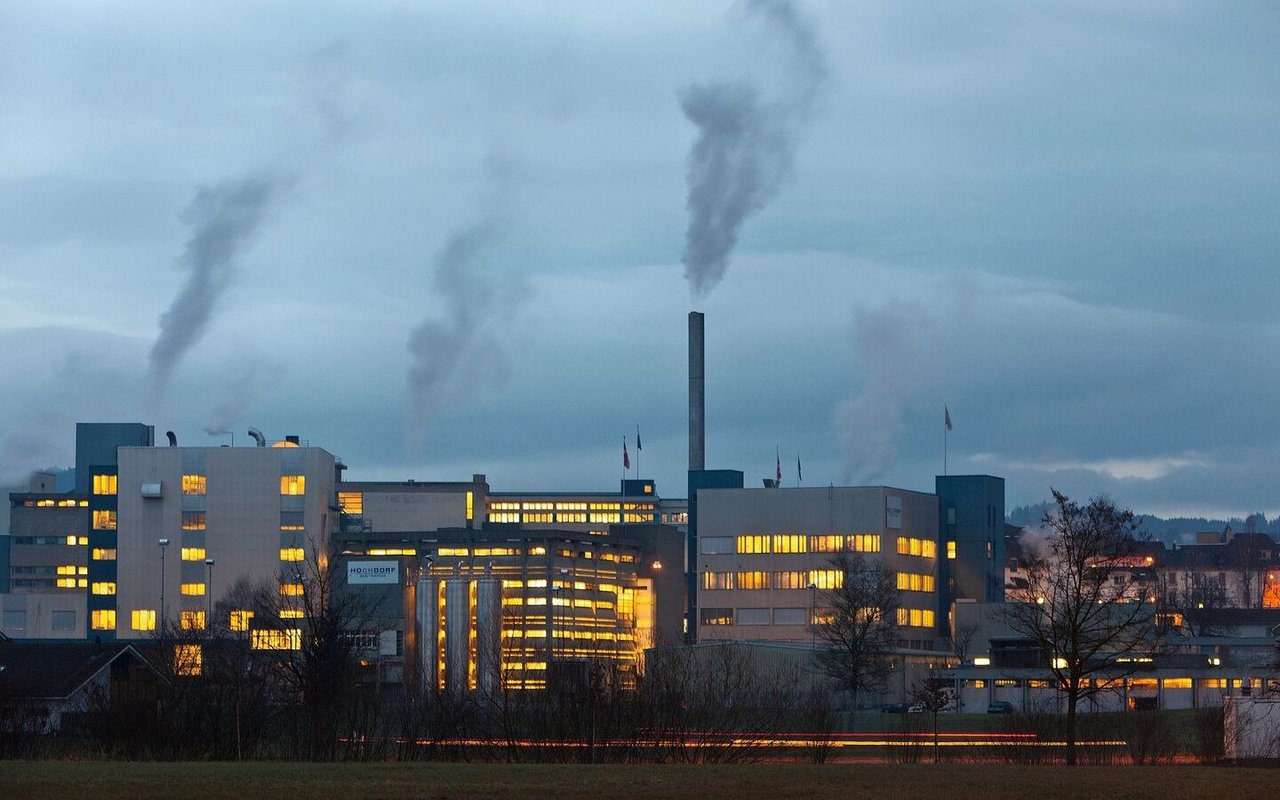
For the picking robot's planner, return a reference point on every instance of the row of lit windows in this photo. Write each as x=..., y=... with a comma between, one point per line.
x=144, y=619
x=70, y=539
x=105, y=484
x=72, y=569
x=51, y=503
x=103, y=587
x=915, y=582
x=791, y=579
x=103, y=554
x=192, y=589
x=915, y=617
x=351, y=502
x=789, y=543
x=73, y=583
x=288, y=639
x=910, y=546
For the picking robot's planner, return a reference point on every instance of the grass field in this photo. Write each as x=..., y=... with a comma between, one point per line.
x=288, y=781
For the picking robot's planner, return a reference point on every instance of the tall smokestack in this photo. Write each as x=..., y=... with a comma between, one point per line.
x=697, y=394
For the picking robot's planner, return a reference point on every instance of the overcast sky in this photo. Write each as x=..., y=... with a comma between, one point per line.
x=440, y=238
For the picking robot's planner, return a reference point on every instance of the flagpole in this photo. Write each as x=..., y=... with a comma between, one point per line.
x=637, y=451
x=946, y=417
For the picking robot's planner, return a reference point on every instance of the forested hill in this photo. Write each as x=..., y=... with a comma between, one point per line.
x=1177, y=529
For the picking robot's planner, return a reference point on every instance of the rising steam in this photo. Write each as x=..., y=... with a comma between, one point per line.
x=223, y=219
x=745, y=145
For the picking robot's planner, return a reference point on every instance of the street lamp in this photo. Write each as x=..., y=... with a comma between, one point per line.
x=164, y=545
x=208, y=619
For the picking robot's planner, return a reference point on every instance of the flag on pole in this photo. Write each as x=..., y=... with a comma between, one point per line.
x=946, y=416
x=799, y=473
x=778, y=471
x=626, y=459
x=638, y=447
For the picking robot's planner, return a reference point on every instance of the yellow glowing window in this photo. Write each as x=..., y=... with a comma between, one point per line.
x=66, y=583
x=293, y=527
x=291, y=589
x=717, y=580
x=71, y=539
x=537, y=551
x=104, y=484
x=188, y=660
x=239, y=620
x=471, y=506
x=143, y=619
x=103, y=554
x=752, y=580
x=352, y=503
x=191, y=620
x=192, y=589
x=67, y=569
x=293, y=484
x=193, y=484
x=790, y=543
x=538, y=583
x=539, y=516
x=826, y=578
x=790, y=579
x=193, y=554
x=753, y=544
x=454, y=551
x=288, y=639
x=951, y=549
x=295, y=554
x=104, y=587
x=1177, y=683
x=1213, y=683
x=103, y=619
x=291, y=613
x=193, y=520
x=104, y=520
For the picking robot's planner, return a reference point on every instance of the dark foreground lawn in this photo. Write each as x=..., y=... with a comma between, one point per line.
x=288, y=781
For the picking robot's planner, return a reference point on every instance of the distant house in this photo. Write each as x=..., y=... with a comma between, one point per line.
x=45, y=685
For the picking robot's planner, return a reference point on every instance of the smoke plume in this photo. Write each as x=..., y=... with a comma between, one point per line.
x=223, y=218
x=745, y=144
x=232, y=409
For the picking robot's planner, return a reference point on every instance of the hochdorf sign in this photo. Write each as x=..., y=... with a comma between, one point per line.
x=373, y=572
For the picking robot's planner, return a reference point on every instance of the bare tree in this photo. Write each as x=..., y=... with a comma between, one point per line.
x=857, y=625
x=961, y=640
x=1090, y=628
x=936, y=694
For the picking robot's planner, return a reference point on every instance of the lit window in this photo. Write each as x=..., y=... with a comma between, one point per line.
x=717, y=580
x=291, y=554
x=471, y=506
x=191, y=620
x=103, y=619
x=193, y=484
x=453, y=551
x=790, y=543
x=143, y=619
x=104, y=484
x=104, y=520
x=537, y=551
x=104, y=587
x=67, y=569
x=103, y=554
x=353, y=503
x=289, y=639
x=752, y=580
x=951, y=549
x=826, y=578
x=193, y=520
x=188, y=660
x=239, y=620
x=753, y=544
x=193, y=554
x=291, y=613
x=291, y=589
x=293, y=484
x=192, y=589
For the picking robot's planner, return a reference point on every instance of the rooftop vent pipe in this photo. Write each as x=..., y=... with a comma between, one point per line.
x=258, y=437
x=173, y=438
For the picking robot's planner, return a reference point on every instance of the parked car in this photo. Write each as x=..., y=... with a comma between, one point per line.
x=1000, y=707
x=894, y=708
x=915, y=708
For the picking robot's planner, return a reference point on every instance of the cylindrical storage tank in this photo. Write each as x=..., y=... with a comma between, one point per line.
x=457, y=625
x=488, y=634
x=426, y=624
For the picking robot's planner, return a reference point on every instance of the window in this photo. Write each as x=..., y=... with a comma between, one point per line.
x=103, y=554
x=193, y=554
x=1177, y=683
x=790, y=616
x=713, y=545
x=717, y=580
x=753, y=544
x=297, y=554
x=826, y=578
x=143, y=619
x=188, y=660
x=951, y=549
x=193, y=484
x=915, y=582
x=291, y=613
x=916, y=617
x=192, y=589
x=104, y=520
x=753, y=616
x=471, y=506
x=103, y=619
x=191, y=620
x=193, y=520
x=15, y=619
x=104, y=484
x=293, y=484
x=911, y=546
x=352, y=503
x=453, y=551
x=790, y=543
x=291, y=589
x=289, y=639
x=791, y=579
x=239, y=620
x=103, y=587
x=752, y=580
x=64, y=620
